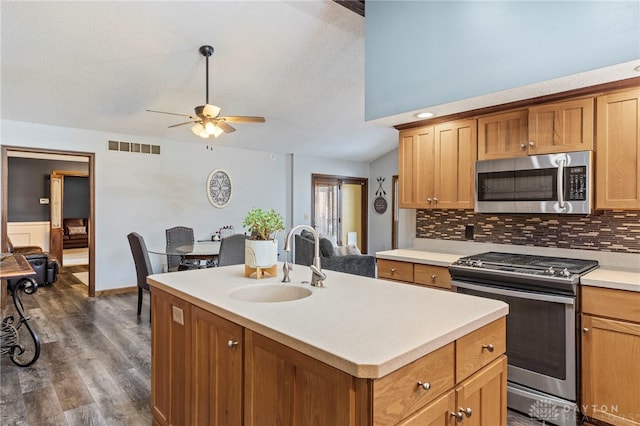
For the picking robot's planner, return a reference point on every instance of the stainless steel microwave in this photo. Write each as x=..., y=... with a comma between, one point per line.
x=551, y=183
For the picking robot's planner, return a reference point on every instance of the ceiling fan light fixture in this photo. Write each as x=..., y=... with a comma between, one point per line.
x=211, y=111
x=197, y=129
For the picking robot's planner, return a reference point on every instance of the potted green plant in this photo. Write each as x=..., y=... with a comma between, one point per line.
x=261, y=249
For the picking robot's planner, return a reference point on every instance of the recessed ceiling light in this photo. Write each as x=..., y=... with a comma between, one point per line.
x=424, y=115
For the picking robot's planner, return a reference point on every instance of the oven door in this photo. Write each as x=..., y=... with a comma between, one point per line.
x=541, y=339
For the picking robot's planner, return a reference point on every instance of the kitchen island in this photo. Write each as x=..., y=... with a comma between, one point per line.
x=359, y=351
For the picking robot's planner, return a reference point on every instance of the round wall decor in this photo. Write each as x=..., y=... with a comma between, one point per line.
x=380, y=205
x=219, y=188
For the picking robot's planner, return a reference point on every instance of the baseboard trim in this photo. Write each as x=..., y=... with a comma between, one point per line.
x=112, y=291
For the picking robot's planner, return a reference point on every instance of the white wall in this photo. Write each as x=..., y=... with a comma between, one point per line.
x=380, y=224
x=149, y=193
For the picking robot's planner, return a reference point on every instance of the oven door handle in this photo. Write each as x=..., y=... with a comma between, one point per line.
x=560, y=184
x=519, y=294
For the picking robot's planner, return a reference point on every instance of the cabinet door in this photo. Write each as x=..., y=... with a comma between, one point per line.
x=415, y=168
x=618, y=151
x=610, y=370
x=286, y=387
x=216, y=370
x=170, y=359
x=482, y=399
x=561, y=127
x=456, y=149
x=503, y=135
x=437, y=413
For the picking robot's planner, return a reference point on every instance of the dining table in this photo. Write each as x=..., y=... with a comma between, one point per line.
x=202, y=252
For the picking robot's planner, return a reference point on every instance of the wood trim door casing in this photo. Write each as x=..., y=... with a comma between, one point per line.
x=5, y=199
x=364, y=182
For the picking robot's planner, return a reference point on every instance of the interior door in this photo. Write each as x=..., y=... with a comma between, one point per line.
x=56, y=214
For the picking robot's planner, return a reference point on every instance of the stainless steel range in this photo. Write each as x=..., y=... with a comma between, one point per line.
x=542, y=293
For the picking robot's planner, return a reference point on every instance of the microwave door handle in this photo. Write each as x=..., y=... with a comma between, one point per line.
x=560, y=184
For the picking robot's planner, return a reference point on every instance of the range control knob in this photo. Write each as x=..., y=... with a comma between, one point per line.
x=565, y=273
x=478, y=264
x=550, y=271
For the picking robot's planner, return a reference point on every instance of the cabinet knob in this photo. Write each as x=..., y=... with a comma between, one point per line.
x=523, y=146
x=466, y=411
x=531, y=143
x=425, y=385
x=458, y=416
x=232, y=343
x=429, y=200
x=585, y=330
x=435, y=200
x=433, y=277
x=488, y=347
x=392, y=270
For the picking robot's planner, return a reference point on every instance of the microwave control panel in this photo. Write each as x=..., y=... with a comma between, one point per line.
x=576, y=183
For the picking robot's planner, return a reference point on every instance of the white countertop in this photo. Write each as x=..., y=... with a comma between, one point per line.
x=362, y=326
x=612, y=278
x=419, y=256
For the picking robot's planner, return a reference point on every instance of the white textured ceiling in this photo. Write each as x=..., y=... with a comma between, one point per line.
x=99, y=65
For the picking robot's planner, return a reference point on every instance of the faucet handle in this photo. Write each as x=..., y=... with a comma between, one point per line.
x=317, y=276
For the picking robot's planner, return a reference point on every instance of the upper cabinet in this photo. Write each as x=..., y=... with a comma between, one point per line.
x=561, y=127
x=436, y=166
x=543, y=129
x=503, y=135
x=618, y=150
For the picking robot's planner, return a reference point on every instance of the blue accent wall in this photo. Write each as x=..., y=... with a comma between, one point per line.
x=425, y=53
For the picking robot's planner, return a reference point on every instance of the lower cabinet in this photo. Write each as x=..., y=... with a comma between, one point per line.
x=611, y=356
x=415, y=273
x=208, y=370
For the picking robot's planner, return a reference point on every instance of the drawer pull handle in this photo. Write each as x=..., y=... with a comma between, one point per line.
x=488, y=347
x=433, y=277
x=231, y=344
x=392, y=270
x=585, y=330
x=458, y=416
x=466, y=411
x=425, y=385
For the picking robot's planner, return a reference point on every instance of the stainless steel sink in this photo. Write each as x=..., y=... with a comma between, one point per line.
x=270, y=293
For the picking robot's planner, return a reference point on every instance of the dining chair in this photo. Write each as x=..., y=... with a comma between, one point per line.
x=176, y=237
x=143, y=265
x=232, y=250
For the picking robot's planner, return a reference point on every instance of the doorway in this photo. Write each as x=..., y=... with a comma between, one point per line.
x=42, y=201
x=339, y=209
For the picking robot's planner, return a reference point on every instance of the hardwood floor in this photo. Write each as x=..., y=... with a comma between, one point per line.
x=94, y=367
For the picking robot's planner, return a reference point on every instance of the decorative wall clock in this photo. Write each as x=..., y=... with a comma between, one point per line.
x=219, y=188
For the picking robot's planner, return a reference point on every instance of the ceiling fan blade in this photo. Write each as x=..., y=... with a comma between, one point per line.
x=172, y=113
x=182, y=124
x=243, y=119
x=227, y=128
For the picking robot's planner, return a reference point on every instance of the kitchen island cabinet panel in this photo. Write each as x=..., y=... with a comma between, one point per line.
x=170, y=354
x=618, y=150
x=286, y=387
x=217, y=386
x=432, y=276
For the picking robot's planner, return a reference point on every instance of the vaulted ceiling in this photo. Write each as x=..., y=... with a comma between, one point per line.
x=99, y=65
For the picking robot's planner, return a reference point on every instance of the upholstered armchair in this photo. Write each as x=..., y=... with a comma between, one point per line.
x=44, y=265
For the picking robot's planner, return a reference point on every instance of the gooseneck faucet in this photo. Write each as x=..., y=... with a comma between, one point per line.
x=317, y=276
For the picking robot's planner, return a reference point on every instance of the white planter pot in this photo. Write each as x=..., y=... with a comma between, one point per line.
x=261, y=254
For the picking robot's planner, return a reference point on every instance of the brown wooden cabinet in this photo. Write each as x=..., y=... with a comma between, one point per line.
x=611, y=355
x=171, y=357
x=561, y=127
x=414, y=273
x=541, y=129
x=503, y=135
x=216, y=387
x=436, y=166
x=618, y=150
x=208, y=370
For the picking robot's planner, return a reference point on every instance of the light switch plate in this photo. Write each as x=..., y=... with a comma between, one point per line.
x=178, y=315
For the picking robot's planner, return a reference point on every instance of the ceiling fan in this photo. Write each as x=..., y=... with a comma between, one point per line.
x=207, y=120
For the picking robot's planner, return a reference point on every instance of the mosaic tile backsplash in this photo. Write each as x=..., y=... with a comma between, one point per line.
x=615, y=231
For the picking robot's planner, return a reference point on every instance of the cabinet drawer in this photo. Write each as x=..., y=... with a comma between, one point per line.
x=479, y=348
x=398, y=394
x=395, y=270
x=435, y=276
x=611, y=303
